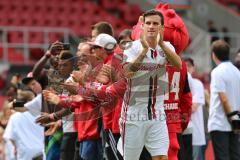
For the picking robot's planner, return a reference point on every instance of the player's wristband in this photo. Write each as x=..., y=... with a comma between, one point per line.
x=232, y=114
x=55, y=116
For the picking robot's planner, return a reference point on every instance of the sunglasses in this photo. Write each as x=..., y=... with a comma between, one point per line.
x=96, y=47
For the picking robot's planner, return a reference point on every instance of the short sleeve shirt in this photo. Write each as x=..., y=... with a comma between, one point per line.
x=224, y=78
x=146, y=88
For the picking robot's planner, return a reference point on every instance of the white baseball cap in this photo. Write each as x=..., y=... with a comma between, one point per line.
x=104, y=40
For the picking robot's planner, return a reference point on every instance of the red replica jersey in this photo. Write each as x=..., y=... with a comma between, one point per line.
x=86, y=121
x=86, y=116
x=116, y=90
x=177, y=113
x=110, y=119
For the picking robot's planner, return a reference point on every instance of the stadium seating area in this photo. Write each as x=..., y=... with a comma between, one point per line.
x=78, y=15
x=233, y=4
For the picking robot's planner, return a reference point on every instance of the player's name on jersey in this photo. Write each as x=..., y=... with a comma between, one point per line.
x=171, y=106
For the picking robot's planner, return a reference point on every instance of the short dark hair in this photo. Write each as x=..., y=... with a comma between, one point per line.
x=125, y=33
x=65, y=55
x=153, y=12
x=221, y=50
x=103, y=27
x=189, y=60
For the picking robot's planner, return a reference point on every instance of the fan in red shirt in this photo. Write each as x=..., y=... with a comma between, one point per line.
x=178, y=100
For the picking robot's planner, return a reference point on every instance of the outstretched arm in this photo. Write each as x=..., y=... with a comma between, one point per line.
x=46, y=118
x=37, y=69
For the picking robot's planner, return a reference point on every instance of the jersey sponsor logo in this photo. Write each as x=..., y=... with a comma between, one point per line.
x=150, y=67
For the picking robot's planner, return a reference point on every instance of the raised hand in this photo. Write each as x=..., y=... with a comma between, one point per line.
x=112, y=72
x=160, y=36
x=51, y=97
x=78, y=76
x=106, y=74
x=56, y=48
x=143, y=41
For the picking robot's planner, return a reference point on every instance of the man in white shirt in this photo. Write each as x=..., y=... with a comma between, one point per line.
x=26, y=135
x=224, y=99
x=34, y=106
x=142, y=119
x=197, y=122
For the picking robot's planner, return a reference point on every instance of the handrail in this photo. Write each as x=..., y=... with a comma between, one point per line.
x=5, y=44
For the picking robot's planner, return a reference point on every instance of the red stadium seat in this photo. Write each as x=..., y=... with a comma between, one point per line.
x=14, y=7
x=36, y=53
x=11, y=18
x=36, y=37
x=39, y=6
x=62, y=8
x=113, y=5
x=15, y=56
x=130, y=13
x=96, y=19
x=54, y=37
x=119, y=25
x=4, y=3
x=26, y=6
x=77, y=30
x=84, y=31
x=49, y=20
x=82, y=26
x=4, y=19
x=15, y=37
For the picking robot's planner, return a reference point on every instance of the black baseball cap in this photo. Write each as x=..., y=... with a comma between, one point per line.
x=28, y=78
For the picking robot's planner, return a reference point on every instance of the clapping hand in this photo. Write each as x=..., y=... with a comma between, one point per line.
x=106, y=74
x=144, y=41
x=51, y=97
x=160, y=36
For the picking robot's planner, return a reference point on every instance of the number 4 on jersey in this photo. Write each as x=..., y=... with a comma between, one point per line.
x=174, y=87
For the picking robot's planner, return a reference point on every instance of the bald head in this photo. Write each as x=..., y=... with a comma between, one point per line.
x=83, y=48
